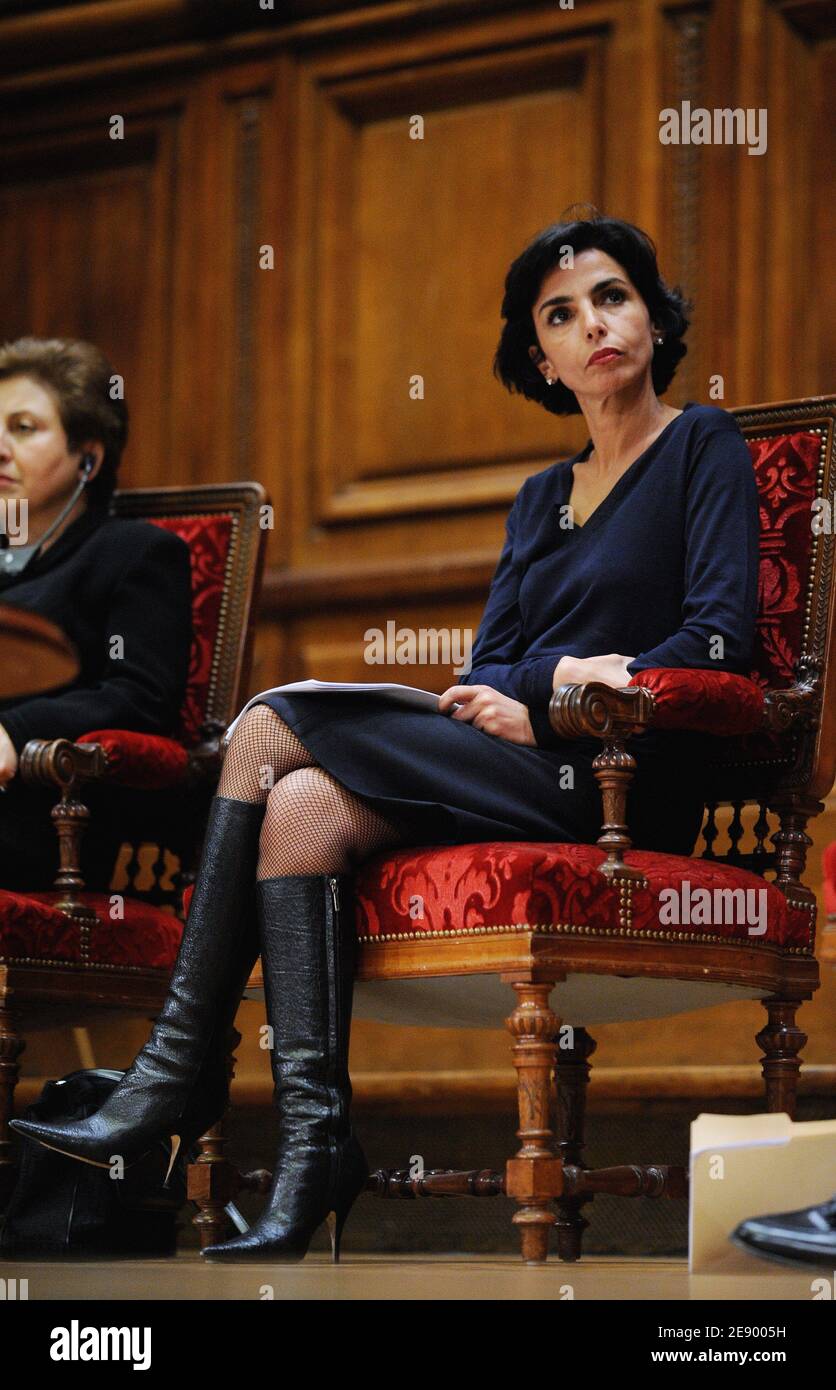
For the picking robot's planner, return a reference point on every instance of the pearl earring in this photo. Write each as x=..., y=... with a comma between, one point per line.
x=658, y=340
x=549, y=381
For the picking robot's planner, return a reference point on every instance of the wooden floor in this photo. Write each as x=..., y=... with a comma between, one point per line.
x=376, y=1277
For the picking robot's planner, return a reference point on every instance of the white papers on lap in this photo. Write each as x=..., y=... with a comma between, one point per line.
x=407, y=695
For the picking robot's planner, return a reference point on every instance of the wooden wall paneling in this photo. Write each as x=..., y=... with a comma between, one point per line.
x=793, y=293
x=336, y=649
x=405, y=272
x=201, y=309
x=414, y=576
x=632, y=135
x=686, y=257
x=246, y=210
x=272, y=345
x=87, y=221
x=779, y=226
x=821, y=191
x=754, y=217
x=118, y=32
x=429, y=280
x=273, y=659
x=97, y=26
x=719, y=244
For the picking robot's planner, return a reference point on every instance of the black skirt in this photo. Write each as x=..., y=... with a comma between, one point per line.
x=443, y=781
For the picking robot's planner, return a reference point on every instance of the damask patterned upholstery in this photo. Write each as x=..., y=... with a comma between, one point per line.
x=710, y=702
x=494, y=886
x=149, y=762
x=785, y=471
x=33, y=929
x=208, y=539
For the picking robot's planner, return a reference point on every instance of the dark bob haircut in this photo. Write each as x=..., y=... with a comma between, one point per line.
x=635, y=253
x=81, y=379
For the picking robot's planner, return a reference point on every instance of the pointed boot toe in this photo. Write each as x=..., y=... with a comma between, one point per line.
x=178, y=1084
x=82, y=1140
x=253, y=1246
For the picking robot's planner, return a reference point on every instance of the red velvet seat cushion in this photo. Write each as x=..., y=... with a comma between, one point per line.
x=33, y=929
x=492, y=886
x=147, y=762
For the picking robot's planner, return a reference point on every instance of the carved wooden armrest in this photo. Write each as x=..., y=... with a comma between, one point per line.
x=152, y=762
x=62, y=764
x=124, y=758
x=702, y=701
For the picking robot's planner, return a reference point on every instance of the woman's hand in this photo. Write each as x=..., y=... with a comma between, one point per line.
x=8, y=758
x=578, y=670
x=489, y=711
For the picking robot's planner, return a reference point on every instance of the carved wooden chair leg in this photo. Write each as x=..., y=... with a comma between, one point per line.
x=212, y=1180
x=11, y=1046
x=533, y=1177
x=781, y=1040
x=574, y=1047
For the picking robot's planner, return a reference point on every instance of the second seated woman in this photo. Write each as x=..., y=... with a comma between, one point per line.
x=119, y=588
x=640, y=551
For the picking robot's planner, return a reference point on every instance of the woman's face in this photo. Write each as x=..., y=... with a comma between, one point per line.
x=599, y=308
x=35, y=459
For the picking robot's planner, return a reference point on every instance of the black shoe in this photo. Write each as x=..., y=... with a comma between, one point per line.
x=178, y=1084
x=308, y=958
x=792, y=1237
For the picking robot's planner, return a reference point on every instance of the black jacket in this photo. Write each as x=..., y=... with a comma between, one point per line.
x=103, y=579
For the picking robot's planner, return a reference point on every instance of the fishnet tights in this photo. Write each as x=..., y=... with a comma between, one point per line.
x=312, y=823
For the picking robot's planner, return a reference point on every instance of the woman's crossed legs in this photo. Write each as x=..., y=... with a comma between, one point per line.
x=312, y=823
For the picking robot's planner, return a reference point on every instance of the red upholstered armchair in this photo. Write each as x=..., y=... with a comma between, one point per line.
x=510, y=924
x=66, y=953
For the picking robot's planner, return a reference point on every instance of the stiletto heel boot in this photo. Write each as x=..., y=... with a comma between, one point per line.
x=178, y=1083
x=308, y=959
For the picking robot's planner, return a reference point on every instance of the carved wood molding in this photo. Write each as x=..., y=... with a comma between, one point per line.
x=430, y=490
x=344, y=94
x=61, y=32
x=419, y=577
x=689, y=26
x=248, y=115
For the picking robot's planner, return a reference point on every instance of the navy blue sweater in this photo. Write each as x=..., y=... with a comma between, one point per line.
x=666, y=564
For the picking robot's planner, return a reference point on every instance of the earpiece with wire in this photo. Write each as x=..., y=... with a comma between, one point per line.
x=16, y=558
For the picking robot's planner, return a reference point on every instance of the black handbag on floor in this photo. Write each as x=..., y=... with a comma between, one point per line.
x=62, y=1206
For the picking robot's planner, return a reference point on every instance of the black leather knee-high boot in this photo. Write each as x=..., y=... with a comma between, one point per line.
x=308, y=958
x=178, y=1084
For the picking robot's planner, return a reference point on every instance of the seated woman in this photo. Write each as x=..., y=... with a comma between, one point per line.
x=119, y=589
x=645, y=539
